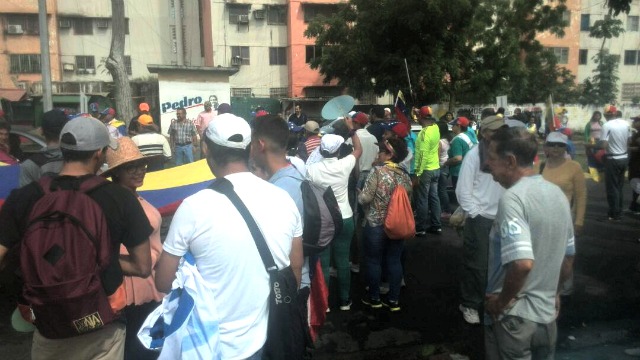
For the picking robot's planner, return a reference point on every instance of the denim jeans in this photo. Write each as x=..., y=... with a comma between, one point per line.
x=614, y=180
x=443, y=194
x=427, y=200
x=376, y=247
x=184, y=154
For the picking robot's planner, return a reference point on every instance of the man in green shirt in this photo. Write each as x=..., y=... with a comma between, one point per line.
x=428, y=172
x=460, y=145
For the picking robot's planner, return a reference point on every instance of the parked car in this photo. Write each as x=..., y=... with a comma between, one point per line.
x=25, y=143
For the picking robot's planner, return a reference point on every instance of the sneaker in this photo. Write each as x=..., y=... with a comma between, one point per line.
x=633, y=352
x=393, y=306
x=374, y=304
x=333, y=272
x=345, y=305
x=421, y=233
x=470, y=315
x=355, y=268
x=435, y=230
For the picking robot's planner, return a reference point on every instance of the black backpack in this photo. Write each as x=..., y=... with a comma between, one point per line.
x=322, y=217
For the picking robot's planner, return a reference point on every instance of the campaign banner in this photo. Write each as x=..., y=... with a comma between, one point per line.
x=190, y=96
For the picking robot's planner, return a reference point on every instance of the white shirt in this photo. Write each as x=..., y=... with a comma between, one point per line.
x=476, y=191
x=208, y=225
x=369, y=145
x=335, y=173
x=616, y=132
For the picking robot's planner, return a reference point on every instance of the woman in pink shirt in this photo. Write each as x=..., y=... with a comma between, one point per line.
x=128, y=167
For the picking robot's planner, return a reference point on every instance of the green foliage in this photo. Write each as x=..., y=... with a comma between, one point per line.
x=618, y=6
x=456, y=50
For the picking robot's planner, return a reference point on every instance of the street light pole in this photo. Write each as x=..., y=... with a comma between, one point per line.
x=45, y=62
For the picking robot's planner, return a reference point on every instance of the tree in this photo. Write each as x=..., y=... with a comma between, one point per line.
x=467, y=50
x=602, y=88
x=115, y=62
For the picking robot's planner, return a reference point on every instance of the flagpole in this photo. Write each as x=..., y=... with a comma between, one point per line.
x=406, y=67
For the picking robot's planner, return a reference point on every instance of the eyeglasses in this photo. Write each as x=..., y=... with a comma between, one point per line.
x=554, y=144
x=132, y=169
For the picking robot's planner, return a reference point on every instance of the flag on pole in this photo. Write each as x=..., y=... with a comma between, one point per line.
x=401, y=109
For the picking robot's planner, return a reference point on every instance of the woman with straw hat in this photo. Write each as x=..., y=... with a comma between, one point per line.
x=127, y=167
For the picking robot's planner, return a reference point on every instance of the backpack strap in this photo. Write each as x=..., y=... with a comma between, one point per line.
x=225, y=187
x=86, y=185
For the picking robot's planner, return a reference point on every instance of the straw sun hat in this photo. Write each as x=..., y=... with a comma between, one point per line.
x=127, y=152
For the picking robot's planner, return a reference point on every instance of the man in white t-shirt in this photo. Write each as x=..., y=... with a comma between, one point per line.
x=615, y=136
x=209, y=226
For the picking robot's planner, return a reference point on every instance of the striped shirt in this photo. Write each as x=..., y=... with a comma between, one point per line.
x=151, y=144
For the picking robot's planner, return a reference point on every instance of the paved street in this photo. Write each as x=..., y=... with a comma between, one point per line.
x=601, y=317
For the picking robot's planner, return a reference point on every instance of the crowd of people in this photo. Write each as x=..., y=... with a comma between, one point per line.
x=517, y=250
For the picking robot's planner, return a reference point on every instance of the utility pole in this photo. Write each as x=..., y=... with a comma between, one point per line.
x=179, y=37
x=45, y=60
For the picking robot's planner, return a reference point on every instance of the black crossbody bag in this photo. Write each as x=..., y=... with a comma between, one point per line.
x=286, y=331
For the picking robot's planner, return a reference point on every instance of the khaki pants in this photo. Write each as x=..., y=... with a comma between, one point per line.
x=515, y=338
x=105, y=344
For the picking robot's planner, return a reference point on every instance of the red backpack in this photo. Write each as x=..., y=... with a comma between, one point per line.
x=65, y=249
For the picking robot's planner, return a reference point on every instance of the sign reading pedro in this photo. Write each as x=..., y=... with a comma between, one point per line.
x=191, y=96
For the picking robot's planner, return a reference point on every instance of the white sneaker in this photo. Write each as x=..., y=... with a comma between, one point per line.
x=633, y=351
x=355, y=268
x=470, y=315
x=333, y=272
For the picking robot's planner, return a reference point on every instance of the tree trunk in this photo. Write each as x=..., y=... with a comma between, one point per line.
x=115, y=63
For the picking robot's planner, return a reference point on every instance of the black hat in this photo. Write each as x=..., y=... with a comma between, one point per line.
x=53, y=121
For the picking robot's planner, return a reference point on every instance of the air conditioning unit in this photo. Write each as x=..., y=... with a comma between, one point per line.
x=68, y=67
x=102, y=23
x=64, y=24
x=91, y=71
x=259, y=14
x=243, y=19
x=14, y=29
x=236, y=61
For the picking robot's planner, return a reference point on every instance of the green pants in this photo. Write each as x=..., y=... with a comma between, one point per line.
x=340, y=247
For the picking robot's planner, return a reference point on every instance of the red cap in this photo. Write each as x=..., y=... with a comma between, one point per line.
x=361, y=118
x=261, y=113
x=610, y=109
x=462, y=121
x=143, y=107
x=401, y=129
x=425, y=111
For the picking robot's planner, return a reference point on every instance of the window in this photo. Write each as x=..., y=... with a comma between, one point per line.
x=583, y=56
x=277, y=93
x=85, y=65
x=277, y=56
x=241, y=52
x=561, y=53
x=241, y=92
x=235, y=11
x=127, y=64
x=126, y=26
x=631, y=57
x=25, y=64
x=585, y=20
x=83, y=26
x=311, y=11
x=312, y=53
x=632, y=23
x=277, y=15
x=28, y=24
x=566, y=17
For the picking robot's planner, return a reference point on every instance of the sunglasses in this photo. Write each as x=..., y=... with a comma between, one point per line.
x=554, y=144
x=132, y=169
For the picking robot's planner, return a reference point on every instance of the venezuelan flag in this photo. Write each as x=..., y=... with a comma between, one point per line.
x=401, y=109
x=164, y=189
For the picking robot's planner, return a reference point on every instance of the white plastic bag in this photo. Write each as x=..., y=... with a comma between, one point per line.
x=186, y=324
x=458, y=218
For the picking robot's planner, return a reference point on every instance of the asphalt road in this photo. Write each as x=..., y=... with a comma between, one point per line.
x=598, y=321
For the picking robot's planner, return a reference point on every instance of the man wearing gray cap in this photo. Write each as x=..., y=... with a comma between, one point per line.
x=99, y=331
